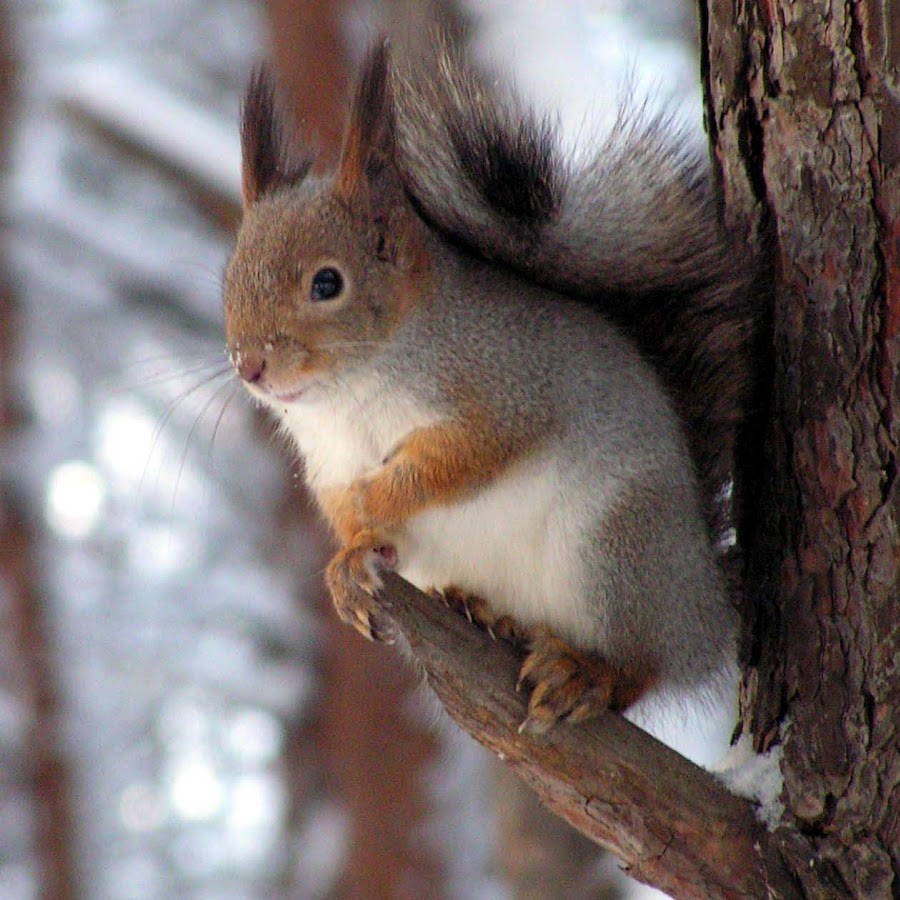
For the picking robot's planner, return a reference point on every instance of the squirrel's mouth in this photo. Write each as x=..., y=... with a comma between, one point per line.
x=289, y=396
x=292, y=390
x=281, y=394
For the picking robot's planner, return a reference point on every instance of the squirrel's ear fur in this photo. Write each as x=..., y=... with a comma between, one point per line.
x=267, y=162
x=369, y=139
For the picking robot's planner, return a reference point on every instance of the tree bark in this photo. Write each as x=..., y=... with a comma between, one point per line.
x=805, y=127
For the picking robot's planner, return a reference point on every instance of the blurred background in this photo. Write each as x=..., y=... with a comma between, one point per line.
x=180, y=714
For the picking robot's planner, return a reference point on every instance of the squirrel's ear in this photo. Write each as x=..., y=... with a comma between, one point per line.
x=369, y=139
x=266, y=160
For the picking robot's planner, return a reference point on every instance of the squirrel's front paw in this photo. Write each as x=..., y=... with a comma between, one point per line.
x=369, y=503
x=353, y=577
x=570, y=685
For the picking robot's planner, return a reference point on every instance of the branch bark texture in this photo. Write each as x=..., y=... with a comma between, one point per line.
x=672, y=823
x=804, y=115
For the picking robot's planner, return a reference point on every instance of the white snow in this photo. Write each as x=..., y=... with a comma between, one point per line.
x=756, y=776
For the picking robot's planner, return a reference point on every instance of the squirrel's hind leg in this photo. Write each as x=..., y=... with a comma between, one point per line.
x=566, y=684
x=571, y=685
x=479, y=612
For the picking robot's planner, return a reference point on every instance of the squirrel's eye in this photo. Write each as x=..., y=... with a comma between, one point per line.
x=326, y=284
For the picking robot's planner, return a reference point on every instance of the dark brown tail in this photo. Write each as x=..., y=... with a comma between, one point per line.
x=633, y=230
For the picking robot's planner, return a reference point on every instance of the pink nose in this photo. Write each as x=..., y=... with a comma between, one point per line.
x=250, y=365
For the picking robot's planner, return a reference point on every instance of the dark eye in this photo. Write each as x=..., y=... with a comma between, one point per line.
x=326, y=285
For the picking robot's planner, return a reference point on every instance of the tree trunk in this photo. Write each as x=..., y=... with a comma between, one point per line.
x=806, y=132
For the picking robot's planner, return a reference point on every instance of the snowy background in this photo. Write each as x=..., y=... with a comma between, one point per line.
x=177, y=575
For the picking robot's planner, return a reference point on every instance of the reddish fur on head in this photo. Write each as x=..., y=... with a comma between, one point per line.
x=357, y=221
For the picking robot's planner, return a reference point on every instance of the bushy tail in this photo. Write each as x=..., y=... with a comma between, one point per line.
x=633, y=229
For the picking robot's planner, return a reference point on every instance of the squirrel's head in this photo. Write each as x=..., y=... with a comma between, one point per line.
x=325, y=270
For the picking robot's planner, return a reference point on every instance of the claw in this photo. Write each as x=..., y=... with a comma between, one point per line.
x=535, y=725
x=353, y=577
x=530, y=664
x=362, y=622
x=582, y=713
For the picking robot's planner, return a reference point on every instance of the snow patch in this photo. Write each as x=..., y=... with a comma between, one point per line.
x=756, y=776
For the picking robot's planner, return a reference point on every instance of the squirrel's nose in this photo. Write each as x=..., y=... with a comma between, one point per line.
x=249, y=364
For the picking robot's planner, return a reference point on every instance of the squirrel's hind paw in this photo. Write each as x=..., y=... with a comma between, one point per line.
x=565, y=684
x=479, y=612
x=568, y=685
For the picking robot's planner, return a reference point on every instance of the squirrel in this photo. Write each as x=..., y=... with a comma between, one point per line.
x=512, y=377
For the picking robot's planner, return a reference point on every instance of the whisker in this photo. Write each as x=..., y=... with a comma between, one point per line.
x=212, y=276
x=218, y=422
x=170, y=411
x=162, y=378
x=193, y=430
x=171, y=357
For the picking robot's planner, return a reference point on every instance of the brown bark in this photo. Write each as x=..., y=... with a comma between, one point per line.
x=33, y=683
x=671, y=822
x=25, y=651
x=806, y=130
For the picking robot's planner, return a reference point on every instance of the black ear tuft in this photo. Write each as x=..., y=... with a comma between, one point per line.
x=369, y=137
x=267, y=162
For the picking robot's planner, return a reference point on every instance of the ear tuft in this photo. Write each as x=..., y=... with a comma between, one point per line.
x=267, y=161
x=369, y=138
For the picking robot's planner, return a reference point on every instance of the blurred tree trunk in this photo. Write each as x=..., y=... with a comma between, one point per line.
x=311, y=53
x=28, y=677
x=36, y=765
x=804, y=119
x=374, y=755
x=8, y=317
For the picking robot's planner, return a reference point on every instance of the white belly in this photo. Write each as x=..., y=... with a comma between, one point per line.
x=511, y=544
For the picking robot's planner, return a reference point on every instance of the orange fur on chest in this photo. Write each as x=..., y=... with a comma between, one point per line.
x=432, y=466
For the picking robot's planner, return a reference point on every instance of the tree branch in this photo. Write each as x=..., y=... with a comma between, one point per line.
x=673, y=825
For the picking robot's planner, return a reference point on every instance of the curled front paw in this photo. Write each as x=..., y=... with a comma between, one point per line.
x=354, y=576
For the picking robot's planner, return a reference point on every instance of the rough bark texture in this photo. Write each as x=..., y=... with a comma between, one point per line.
x=671, y=822
x=804, y=116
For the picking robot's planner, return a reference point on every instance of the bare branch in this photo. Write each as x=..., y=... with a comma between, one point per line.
x=673, y=825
